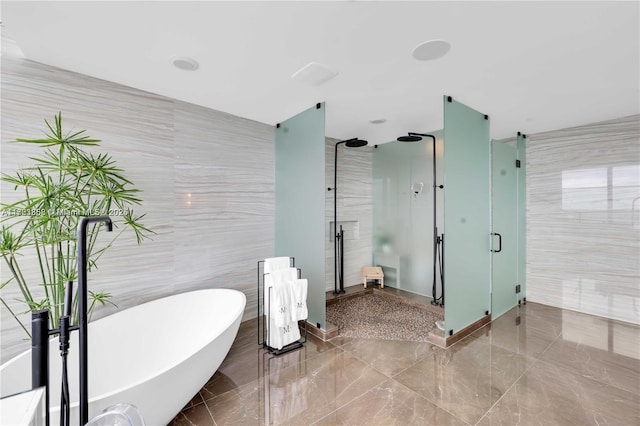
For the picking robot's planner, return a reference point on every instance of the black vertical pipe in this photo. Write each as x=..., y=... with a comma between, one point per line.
x=82, y=311
x=353, y=143
x=341, y=260
x=435, y=223
x=442, y=270
x=68, y=299
x=40, y=355
x=435, y=260
x=335, y=221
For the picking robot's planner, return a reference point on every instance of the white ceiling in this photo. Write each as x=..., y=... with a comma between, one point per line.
x=531, y=66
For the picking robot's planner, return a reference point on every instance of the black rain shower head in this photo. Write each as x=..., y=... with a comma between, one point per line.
x=355, y=143
x=409, y=138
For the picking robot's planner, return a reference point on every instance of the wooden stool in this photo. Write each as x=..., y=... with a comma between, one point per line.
x=374, y=273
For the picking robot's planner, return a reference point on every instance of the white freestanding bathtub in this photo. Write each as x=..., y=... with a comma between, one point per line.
x=156, y=356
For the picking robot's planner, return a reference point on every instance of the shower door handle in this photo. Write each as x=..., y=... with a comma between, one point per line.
x=499, y=243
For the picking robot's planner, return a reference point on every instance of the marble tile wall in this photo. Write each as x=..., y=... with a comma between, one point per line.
x=355, y=203
x=583, y=218
x=207, y=181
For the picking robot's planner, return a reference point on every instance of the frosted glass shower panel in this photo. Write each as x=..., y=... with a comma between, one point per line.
x=522, y=208
x=300, y=196
x=466, y=167
x=402, y=214
x=504, y=212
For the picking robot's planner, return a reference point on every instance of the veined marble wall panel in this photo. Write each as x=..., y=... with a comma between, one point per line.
x=224, y=200
x=139, y=140
x=355, y=203
x=168, y=149
x=583, y=218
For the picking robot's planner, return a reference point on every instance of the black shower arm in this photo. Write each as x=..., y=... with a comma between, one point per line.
x=423, y=134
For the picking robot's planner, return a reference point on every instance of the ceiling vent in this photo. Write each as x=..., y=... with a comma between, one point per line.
x=314, y=74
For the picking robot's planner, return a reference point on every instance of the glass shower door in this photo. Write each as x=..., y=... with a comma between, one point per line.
x=504, y=221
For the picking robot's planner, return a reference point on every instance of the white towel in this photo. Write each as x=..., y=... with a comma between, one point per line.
x=274, y=300
x=275, y=263
x=290, y=333
x=281, y=276
x=280, y=337
x=282, y=303
x=275, y=336
x=298, y=290
x=278, y=305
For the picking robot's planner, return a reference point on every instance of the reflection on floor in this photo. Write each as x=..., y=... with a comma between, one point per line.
x=534, y=365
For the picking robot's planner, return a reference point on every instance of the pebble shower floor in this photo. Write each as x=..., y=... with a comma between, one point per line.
x=372, y=316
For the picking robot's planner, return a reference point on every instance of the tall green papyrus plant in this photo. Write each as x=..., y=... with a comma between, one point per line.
x=65, y=183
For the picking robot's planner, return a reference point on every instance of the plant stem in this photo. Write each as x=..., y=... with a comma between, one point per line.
x=14, y=316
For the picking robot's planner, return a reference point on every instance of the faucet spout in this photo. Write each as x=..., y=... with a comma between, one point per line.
x=82, y=309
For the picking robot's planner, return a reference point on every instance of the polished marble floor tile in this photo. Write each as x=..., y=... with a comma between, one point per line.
x=198, y=415
x=299, y=394
x=512, y=332
x=247, y=361
x=547, y=319
x=551, y=395
x=466, y=379
x=244, y=405
x=387, y=356
x=388, y=404
x=535, y=365
x=601, y=365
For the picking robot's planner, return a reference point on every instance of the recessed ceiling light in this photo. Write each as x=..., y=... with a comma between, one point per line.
x=378, y=121
x=432, y=49
x=314, y=73
x=184, y=63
